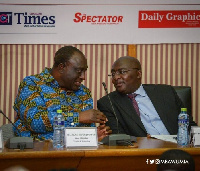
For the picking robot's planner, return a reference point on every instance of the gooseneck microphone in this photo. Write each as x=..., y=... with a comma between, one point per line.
x=115, y=139
x=113, y=110
x=11, y=122
x=105, y=88
x=18, y=142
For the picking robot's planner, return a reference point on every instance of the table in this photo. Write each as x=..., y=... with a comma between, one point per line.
x=44, y=157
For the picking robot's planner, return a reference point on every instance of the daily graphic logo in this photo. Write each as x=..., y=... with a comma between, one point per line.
x=5, y=18
x=169, y=19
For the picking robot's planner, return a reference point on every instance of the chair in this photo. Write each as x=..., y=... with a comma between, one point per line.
x=7, y=131
x=184, y=93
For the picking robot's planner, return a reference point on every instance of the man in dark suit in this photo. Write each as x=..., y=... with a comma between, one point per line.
x=157, y=106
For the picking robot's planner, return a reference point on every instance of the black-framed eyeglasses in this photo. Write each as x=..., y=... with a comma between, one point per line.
x=121, y=72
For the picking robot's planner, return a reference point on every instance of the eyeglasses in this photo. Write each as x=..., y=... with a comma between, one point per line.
x=121, y=72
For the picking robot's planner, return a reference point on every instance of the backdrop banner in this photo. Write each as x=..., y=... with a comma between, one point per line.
x=99, y=23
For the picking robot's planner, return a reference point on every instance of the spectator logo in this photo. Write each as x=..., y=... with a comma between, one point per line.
x=97, y=19
x=5, y=18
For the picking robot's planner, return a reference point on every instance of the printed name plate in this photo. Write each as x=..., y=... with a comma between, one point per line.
x=195, y=136
x=81, y=137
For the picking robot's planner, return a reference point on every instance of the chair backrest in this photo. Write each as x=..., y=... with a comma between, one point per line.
x=184, y=93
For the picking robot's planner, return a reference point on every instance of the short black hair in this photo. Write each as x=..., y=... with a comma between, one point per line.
x=64, y=54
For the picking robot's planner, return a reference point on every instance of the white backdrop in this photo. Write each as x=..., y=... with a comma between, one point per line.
x=94, y=22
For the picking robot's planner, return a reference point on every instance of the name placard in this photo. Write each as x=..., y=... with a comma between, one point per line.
x=81, y=137
x=195, y=136
x=1, y=138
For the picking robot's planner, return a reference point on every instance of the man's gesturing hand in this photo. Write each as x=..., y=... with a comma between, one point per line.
x=92, y=116
x=103, y=131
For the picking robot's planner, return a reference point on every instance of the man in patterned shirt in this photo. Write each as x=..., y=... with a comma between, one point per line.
x=40, y=96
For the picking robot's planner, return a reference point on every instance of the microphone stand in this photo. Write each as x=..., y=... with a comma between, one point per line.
x=18, y=142
x=116, y=139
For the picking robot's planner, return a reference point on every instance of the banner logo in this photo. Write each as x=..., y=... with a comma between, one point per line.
x=159, y=161
x=169, y=19
x=35, y=19
x=97, y=19
x=5, y=18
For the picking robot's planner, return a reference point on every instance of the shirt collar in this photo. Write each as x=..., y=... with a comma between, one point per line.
x=140, y=91
x=47, y=77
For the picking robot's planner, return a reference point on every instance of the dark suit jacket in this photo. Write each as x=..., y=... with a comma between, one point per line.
x=164, y=98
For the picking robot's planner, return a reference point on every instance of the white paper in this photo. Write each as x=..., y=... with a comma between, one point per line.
x=196, y=139
x=195, y=129
x=84, y=137
x=1, y=139
x=170, y=138
x=195, y=135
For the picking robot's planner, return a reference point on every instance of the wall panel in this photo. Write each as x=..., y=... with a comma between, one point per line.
x=174, y=64
x=18, y=61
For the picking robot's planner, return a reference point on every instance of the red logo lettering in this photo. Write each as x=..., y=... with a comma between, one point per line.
x=100, y=19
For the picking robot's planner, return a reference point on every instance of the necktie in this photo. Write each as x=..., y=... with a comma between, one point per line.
x=135, y=105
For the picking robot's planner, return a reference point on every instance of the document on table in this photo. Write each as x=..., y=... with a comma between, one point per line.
x=1, y=138
x=170, y=138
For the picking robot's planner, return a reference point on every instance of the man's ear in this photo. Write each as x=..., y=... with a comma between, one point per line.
x=61, y=67
x=139, y=74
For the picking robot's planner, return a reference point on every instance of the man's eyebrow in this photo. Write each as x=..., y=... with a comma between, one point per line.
x=82, y=68
x=118, y=69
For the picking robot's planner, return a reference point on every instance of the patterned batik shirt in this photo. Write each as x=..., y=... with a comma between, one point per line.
x=38, y=99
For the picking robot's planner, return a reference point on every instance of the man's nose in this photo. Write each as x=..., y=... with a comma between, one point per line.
x=116, y=76
x=82, y=76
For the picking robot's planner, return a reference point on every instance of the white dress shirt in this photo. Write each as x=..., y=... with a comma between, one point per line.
x=148, y=114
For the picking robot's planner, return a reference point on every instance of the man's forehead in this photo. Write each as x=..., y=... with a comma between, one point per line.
x=121, y=66
x=118, y=69
x=77, y=57
x=78, y=61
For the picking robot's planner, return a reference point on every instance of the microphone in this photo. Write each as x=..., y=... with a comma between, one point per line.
x=105, y=88
x=18, y=142
x=117, y=121
x=116, y=139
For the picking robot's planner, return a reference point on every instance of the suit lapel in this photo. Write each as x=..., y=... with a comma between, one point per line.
x=157, y=101
x=125, y=104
